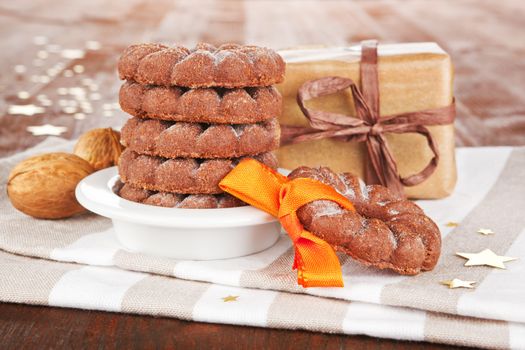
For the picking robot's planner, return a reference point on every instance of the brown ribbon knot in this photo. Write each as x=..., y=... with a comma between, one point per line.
x=368, y=126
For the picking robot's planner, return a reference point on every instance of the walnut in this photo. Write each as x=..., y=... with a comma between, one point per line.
x=100, y=147
x=44, y=186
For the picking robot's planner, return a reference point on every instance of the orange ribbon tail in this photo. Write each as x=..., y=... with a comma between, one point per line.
x=260, y=186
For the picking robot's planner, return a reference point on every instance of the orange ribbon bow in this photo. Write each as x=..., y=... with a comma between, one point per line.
x=256, y=184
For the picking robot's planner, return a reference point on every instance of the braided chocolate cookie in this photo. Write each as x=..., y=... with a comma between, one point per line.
x=385, y=231
x=180, y=175
x=210, y=105
x=229, y=65
x=192, y=140
x=175, y=200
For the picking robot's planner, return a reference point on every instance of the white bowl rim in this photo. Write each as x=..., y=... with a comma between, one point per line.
x=95, y=193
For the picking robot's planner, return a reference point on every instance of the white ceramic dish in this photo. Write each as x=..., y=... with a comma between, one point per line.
x=190, y=234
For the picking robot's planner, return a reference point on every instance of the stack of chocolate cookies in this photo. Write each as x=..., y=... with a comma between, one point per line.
x=195, y=114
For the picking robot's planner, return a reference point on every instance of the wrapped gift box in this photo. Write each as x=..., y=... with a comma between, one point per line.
x=412, y=77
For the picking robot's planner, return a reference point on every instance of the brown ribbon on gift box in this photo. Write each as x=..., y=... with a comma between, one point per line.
x=369, y=126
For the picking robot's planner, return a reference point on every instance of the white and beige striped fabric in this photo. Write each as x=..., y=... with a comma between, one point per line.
x=79, y=263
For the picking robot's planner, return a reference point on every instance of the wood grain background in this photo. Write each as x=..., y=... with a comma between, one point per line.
x=485, y=38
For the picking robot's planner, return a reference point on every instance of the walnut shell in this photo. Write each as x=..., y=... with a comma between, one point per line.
x=100, y=147
x=44, y=186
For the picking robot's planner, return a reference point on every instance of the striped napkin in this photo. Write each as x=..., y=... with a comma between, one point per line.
x=79, y=263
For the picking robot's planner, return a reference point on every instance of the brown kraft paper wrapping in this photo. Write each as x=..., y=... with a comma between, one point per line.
x=412, y=77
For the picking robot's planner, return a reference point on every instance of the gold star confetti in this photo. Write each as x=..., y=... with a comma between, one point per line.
x=72, y=54
x=486, y=257
x=44, y=79
x=78, y=68
x=23, y=95
x=451, y=224
x=47, y=129
x=485, y=231
x=77, y=91
x=20, y=69
x=69, y=110
x=44, y=100
x=230, y=298
x=51, y=72
x=28, y=110
x=42, y=54
x=62, y=91
x=93, y=45
x=457, y=283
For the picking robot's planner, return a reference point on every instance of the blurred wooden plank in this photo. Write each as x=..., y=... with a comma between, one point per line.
x=486, y=52
x=69, y=12
x=282, y=24
x=40, y=327
x=190, y=23
x=485, y=39
x=489, y=72
x=99, y=66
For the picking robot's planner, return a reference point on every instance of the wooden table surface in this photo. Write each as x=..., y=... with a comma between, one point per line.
x=60, y=57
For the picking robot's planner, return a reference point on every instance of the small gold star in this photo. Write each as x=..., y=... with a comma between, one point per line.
x=451, y=224
x=23, y=95
x=47, y=129
x=93, y=45
x=457, y=283
x=486, y=257
x=28, y=110
x=485, y=231
x=230, y=298
x=73, y=54
x=20, y=69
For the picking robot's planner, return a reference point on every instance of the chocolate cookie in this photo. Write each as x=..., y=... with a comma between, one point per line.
x=385, y=231
x=180, y=175
x=210, y=105
x=229, y=65
x=193, y=140
x=174, y=200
